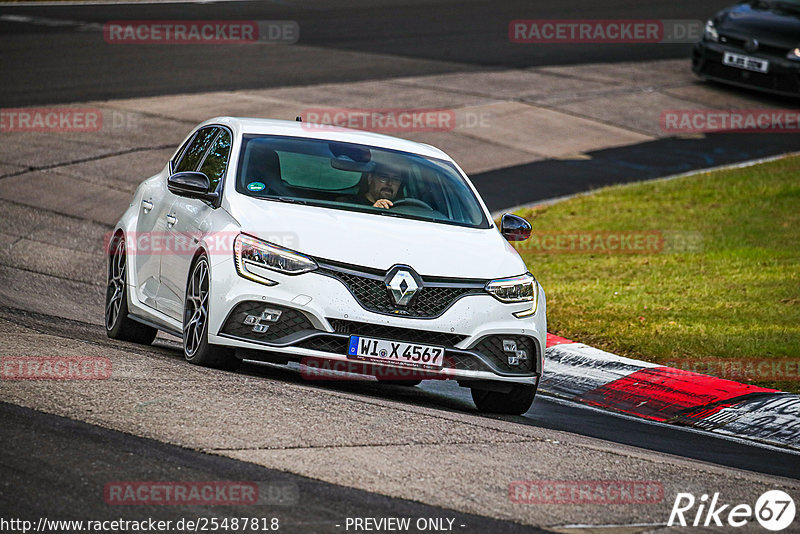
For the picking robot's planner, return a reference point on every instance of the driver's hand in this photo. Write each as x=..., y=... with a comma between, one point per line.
x=384, y=203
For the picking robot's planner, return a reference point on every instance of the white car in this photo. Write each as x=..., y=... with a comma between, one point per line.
x=288, y=241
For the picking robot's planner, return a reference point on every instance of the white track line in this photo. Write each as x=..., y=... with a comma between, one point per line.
x=52, y=23
x=612, y=526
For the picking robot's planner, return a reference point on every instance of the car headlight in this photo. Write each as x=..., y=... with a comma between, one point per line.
x=254, y=259
x=514, y=289
x=710, y=31
x=794, y=54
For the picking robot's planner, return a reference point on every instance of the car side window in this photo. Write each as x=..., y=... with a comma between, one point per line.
x=192, y=156
x=217, y=159
x=173, y=163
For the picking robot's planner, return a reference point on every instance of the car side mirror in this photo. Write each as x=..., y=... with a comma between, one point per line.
x=515, y=228
x=192, y=184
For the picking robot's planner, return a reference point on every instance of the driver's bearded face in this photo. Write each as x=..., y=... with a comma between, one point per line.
x=383, y=185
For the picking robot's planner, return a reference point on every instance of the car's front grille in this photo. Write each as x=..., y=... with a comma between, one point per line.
x=431, y=300
x=410, y=335
x=290, y=321
x=762, y=48
x=492, y=347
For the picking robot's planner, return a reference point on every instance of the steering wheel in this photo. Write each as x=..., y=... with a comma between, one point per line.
x=411, y=202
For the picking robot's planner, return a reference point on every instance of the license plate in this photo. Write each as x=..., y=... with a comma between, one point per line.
x=745, y=62
x=396, y=352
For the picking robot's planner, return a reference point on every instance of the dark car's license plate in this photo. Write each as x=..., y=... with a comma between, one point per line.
x=745, y=62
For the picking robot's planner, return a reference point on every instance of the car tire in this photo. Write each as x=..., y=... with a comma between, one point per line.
x=118, y=324
x=515, y=402
x=196, y=348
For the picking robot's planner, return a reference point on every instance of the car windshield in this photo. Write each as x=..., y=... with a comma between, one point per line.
x=354, y=177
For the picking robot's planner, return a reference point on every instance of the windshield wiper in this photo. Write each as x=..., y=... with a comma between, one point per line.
x=285, y=199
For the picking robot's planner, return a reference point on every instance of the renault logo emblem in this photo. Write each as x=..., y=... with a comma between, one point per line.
x=402, y=285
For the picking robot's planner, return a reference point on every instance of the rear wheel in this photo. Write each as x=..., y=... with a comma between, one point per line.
x=118, y=324
x=196, y=347
x=517, y=401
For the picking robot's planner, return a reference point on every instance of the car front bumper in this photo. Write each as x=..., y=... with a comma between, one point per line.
x=782, y=78
x=319, y=314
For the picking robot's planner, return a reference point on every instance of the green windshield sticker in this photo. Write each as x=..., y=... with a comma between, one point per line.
x=256, y=186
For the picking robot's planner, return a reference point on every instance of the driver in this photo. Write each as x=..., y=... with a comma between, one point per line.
x=380, y=188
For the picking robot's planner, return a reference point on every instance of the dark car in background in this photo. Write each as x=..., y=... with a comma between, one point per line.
x=753, y=44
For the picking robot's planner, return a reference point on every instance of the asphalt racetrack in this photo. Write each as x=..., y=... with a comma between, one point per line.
x=47, y=61
x=329, y=450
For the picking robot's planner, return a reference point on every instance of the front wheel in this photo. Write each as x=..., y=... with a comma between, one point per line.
x=196, y=347
x=514, y=402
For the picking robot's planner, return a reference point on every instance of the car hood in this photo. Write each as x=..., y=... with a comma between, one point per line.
x=770, y=23
x=379, y=242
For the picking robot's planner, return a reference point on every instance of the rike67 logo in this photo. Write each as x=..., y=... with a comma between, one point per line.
x=774, y=510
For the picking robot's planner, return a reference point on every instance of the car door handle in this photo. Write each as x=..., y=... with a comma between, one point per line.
x=147, y=205
x=171, y=220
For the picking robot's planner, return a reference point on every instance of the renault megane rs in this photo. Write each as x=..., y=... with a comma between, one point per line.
x=288, y=241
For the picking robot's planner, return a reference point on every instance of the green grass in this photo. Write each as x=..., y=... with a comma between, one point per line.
x=732, y=293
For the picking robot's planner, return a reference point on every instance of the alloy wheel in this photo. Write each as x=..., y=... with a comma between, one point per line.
x=195, y=312
x=115, y=291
